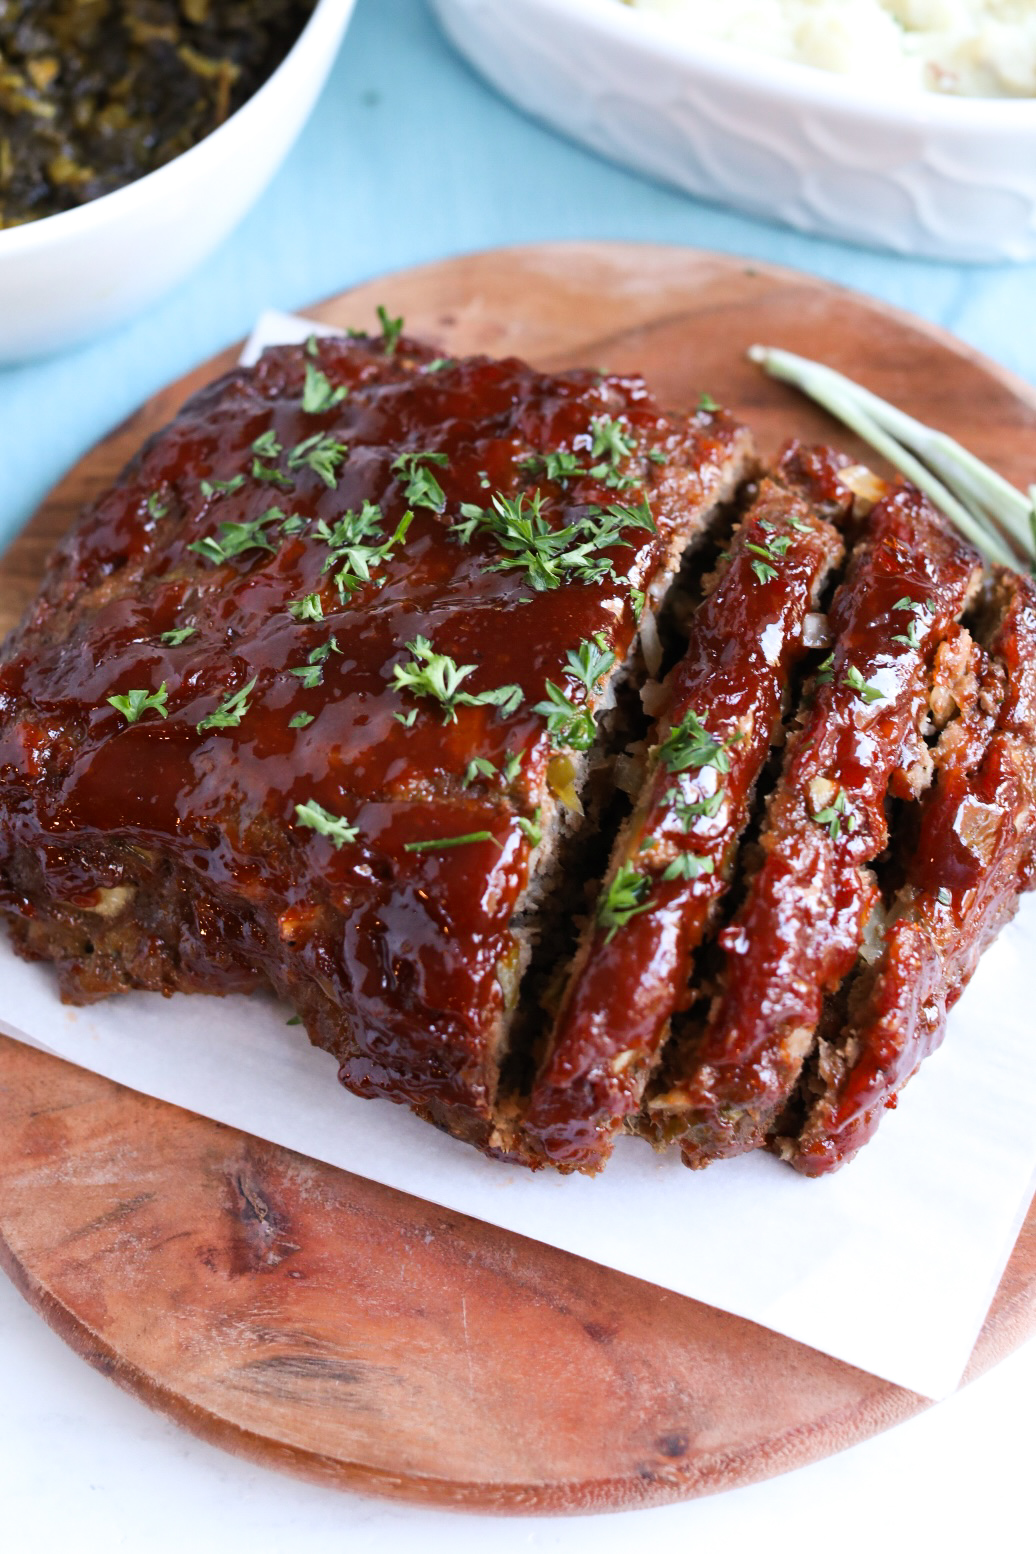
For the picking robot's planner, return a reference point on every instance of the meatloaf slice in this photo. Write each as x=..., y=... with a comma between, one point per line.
x=303, y=698
x=673, y=859
x=799, y=930
x=975, y=853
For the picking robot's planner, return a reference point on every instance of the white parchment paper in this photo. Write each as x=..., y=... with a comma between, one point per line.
x=889, y=1264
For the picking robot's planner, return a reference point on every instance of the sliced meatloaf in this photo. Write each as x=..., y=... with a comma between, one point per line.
x=974, y=854
x=306, y=698
x=797, y=934
x=673, y=859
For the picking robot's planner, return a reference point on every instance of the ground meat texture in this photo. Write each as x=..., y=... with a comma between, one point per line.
x=327, y=767
x=973, y=858
x=799, y=930
x=673, y=859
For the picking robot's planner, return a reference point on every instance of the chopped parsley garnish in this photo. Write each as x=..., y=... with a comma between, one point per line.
x=135, y=703
x=658, y=456
x=156, y=507
x=391, y=329
x=319, y=395
x=567, y=724
x=178, y=637
x=623, y=898
x=267, y=446
x=773, y=547
x=689, y=746
x=512, y=766
x=320, y=453
x=301, y=720
x=435, y=844
x=421, y=488
x=439, y=364
x=222, y=487
x=826, y=671
x=832, y=816
x=911, y=638
x=706, y=402
x=688, y=866
x=236, y=538
x=312, y=672
x=689, y=810
x=309, y=608
x=610, y=441
x=354, y=548
x=548, y=556
x=337, y=830
x=559, y=466
x=531, y=829
x=437, y=675
x=231, y=709
x=478, y=767
x=609, y=444
x=591, y=663
x=944, y=896
x=855, y=681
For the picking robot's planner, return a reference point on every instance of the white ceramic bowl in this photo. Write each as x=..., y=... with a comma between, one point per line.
x=67, y=277
x=934, y=176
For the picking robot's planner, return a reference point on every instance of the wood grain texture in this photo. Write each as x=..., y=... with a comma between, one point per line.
x=325, y=1325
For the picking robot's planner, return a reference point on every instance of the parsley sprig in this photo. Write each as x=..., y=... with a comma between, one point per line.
x=440, y=677
x=318, y=394
x=689, y=746
x=774, y=546
x=688, y=810
x=337, y=830
x=311, y=673
x=918, y=609
x=134, y=704
x=478, y=766
x=622, y=899
x=834, y=815
x=569, y=722
x=420, y=487
x=356, y=546
x=855, y=682
x=549, y=556
x=322, y=454
x=391, y=330
x=689, y=866
x=610, y=444
x=590, y=663
x=235, y=539
x=309, y=608
x=231, y=709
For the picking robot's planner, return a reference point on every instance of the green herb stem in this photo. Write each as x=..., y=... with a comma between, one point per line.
x=974, y=497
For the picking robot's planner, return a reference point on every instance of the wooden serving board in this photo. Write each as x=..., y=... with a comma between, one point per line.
x=344, y=1331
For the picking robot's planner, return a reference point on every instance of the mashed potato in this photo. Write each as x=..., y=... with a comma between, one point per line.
x=976, y=48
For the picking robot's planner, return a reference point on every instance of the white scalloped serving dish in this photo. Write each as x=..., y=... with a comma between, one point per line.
x=928, y=175
x=67, y=277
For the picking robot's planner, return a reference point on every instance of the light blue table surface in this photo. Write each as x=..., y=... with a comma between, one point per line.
x=408, y=158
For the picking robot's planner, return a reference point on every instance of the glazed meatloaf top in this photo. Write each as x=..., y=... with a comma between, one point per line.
x=308, y=698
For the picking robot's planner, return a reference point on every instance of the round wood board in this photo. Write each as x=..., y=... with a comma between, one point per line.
x=337, y=1329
